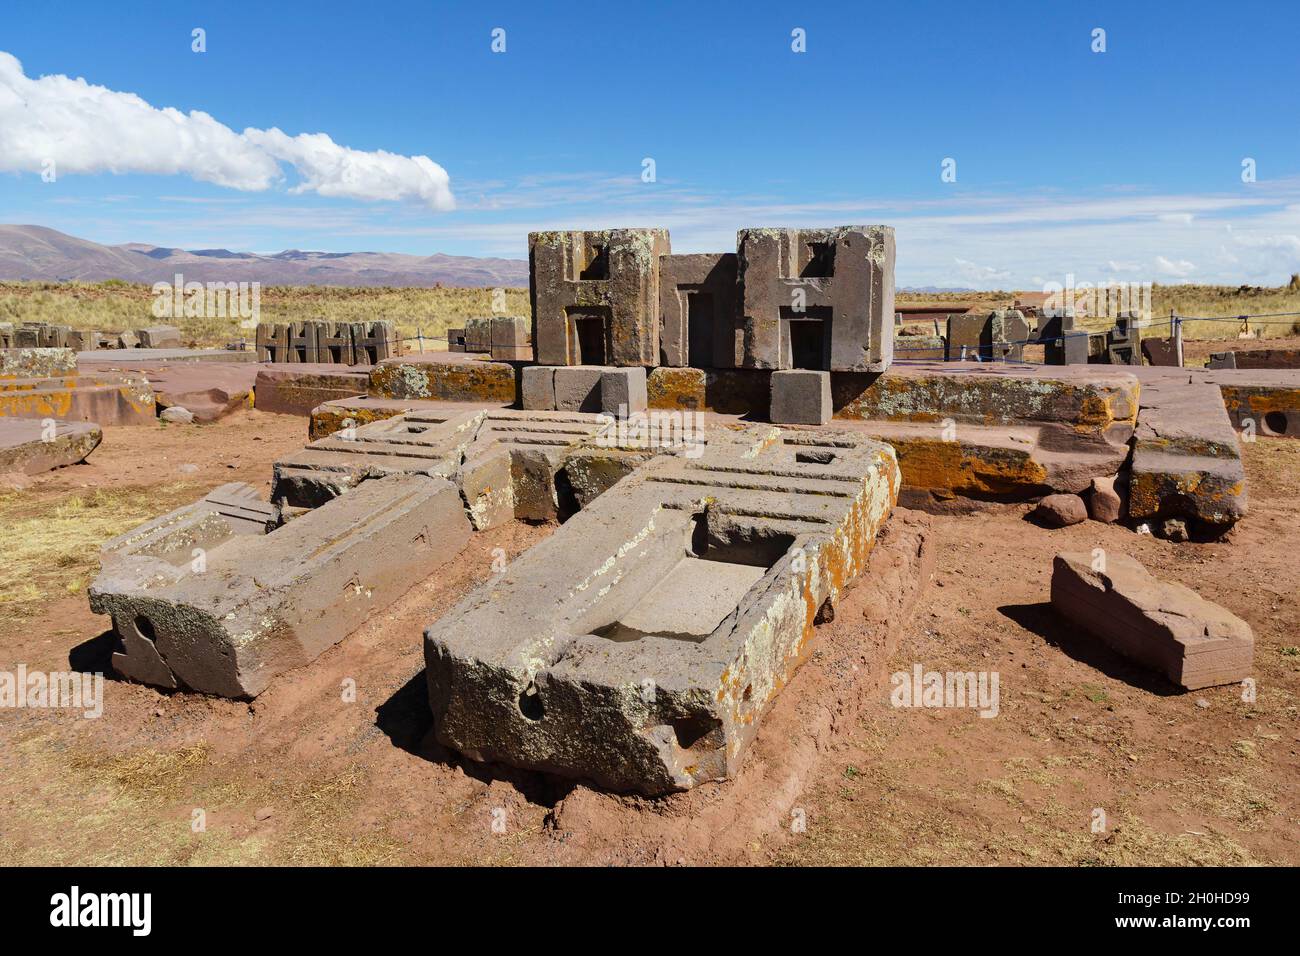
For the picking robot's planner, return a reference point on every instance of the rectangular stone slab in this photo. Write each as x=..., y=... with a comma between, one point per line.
x=30, y=447
x=553, y=666
x=106, y=398
x=1159, y=624
x=1186, y=457
x=200, y=603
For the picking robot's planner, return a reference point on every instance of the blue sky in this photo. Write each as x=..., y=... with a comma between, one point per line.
x=1123, y=164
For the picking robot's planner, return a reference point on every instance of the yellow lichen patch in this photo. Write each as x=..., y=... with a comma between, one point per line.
x=928, y=463
x=679, y=389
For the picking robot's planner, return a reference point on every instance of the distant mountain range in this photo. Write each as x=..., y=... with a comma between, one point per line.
x=35, y=252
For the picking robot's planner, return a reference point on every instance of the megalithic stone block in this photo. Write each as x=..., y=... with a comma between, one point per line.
x=801, y=397
x=817, y=298
x=698, y=308
x=595, y=296
x=638, y=646
x=1186, y=458
x=160, y=337
x=1161, y=625
x=198, y=605
x=334, y=345
x=30, y=447
x=372, y=342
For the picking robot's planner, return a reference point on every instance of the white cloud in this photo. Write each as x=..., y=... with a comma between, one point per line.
x=83, y=128
x=1180, y=269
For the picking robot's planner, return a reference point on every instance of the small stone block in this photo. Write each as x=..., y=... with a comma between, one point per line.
x=801, y=397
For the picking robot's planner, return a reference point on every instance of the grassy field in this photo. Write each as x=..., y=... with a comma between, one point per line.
x=116, y=306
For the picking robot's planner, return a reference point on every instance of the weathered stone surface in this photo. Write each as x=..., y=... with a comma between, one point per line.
x=817, y=298
x=537, y=387
x=1256, y=359
x=596, y=296
x=160, y=337
x=1104, y=501
x=210, y=390
x=339, y=414
x=727, y=391
x=510, y=339
x=296, y=389
x=638, y=646
x=144, y=360
x=698, y=308
x=577, y=388
x=1161, y=625
x=800, y=397
x=30, y=447
x=1099, y=405
x=1268, y=401
x=996, y=336
x=478, y=335
x=1160, y=352
x=36, y=362
x=444, y=376
x=177, y=414
x=1059, y=511
x=485, y=453
x=994, y=432
x=202, y=601
x=623, y=391
x=107, y=398
x=1186, y=459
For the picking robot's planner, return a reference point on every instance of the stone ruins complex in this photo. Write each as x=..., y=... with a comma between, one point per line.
x=719, y=438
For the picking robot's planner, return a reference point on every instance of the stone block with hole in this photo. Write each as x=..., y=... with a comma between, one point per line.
x=596, y=296
x=206, y=599
x=816, y=298
x=638, y=646
x=800, y=397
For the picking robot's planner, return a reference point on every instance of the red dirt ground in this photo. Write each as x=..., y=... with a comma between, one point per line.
x=303, y=775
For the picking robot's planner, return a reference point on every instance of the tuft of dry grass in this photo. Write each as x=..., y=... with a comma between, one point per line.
x=322, y=833
x=52, y=547
x=146, y=773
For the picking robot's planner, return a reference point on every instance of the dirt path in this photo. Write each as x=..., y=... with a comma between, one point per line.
x=312, y=773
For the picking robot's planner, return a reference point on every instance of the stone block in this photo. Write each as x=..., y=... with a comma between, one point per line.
x=623, y=391
x=577, y=388
x=1186, y=458
x=447, y=377
x=478, y=335
x=30, y=447
x=817, y=298
x=253, y=606
x=1160, y=625
x=596, y=296
x=801, y=397
x=160, y=337
x=698, y=307
x=297, y=388
x=639, y=645
x=537, y=388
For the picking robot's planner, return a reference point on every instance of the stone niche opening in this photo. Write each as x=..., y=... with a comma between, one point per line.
x=589, y=335
x=807, y=337
x=594, y=263
x=816, y=260
x=718, y=564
